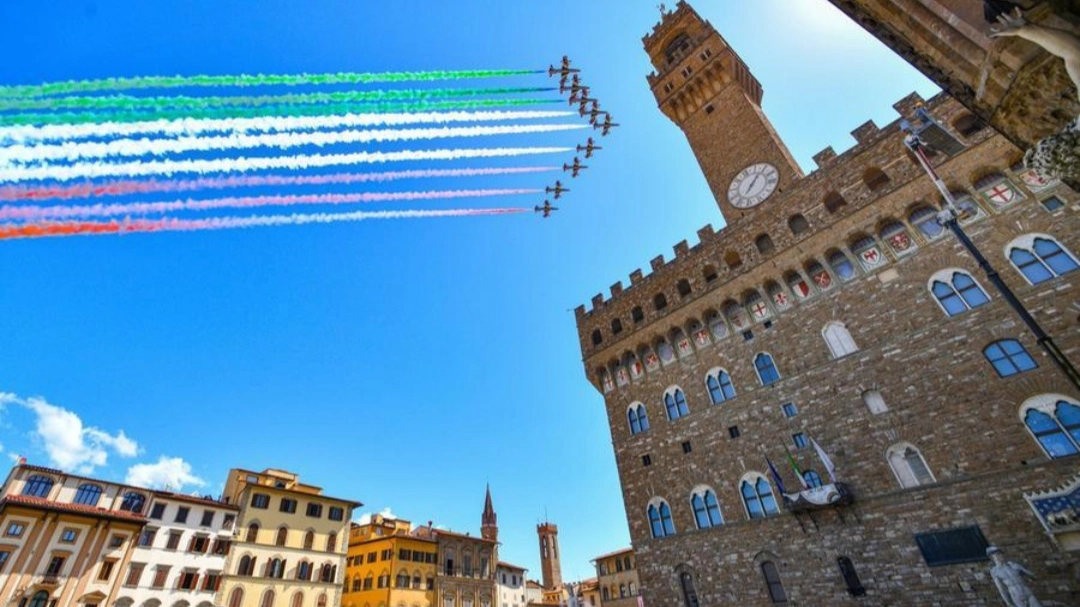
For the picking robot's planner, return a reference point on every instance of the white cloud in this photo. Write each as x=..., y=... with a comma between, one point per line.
x=365, y=518
x=169, y=472
x=71, y=446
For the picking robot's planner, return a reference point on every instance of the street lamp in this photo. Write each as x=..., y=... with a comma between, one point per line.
x=931, y=135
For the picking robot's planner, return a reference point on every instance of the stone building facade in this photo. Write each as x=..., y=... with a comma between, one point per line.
x=835, y=319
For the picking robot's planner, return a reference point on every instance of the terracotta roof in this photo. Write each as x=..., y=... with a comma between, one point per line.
x=40, y=502
x=45, y=470
x=506, y=565
x=623, y=551
x=195, y=500
x=464, y=535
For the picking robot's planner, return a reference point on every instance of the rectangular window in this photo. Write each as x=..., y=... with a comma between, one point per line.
x=646, y=460
x=799, y=440
x=199, y=543
x=160, y=575
x=146, y=538
x=174, y=540
x=404, y=554
x=337, y=513
x=790, y=410
x=182, y=514
x=68, y=536
x=55, y=565
x=260, y=500
x=288, y=505
x=4, y=556
x=314, y=510
x=686, y=447
x=116, y=541
x=134, y=574
x=963, y=545
x=733, y=431
x=221, y=546
x=230, y=519
x=157, y=511
x=367, y=583
x=212, y=581
x=188, y=580
x=1052, y=203
x=207, y=518
x=15, y=529
x=371, y=557
x=106, y=570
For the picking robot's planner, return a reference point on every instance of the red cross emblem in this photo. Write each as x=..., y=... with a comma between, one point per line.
x=759, y=310
x=684, y=345
x=823, y=279
x=1001, y=194
x=608, y=386
x=651, y=360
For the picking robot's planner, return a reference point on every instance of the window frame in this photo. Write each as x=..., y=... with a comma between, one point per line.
x=1047, y=404
x=678, y=403
x=754, y=480
x=947, y=278
x=1027, y=244
x=703, y=494
x=902, y=448
x=718, y=375
x=772, y=364
x=1010, y=358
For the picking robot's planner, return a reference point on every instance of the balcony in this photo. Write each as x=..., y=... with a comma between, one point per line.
x=819, y=498
x=50, y=579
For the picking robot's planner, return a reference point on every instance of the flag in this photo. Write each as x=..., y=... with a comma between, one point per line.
x=825, y=461
x=775, y=475
x=795, y=467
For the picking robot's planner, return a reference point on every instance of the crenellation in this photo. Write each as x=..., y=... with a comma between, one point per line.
x=597, y=301
x=579, y=313
x=616, y=289
x=906, y=105
x=636, y=277
x=864, y=132
x=706, y=232
x=825, y=156
x=657, y=262
x=681, y=249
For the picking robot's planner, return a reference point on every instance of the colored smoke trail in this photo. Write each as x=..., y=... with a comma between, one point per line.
x=71, y=152
x=121, y=188
x=267, y=124
x=39, y=230
x=248, y=80
x=245, y=165
x=127, y=102
x=39, y=214
x=268, y=110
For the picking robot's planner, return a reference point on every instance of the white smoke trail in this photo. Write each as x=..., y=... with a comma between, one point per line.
x=88, y=170
x=271, y=124
x=71, y=152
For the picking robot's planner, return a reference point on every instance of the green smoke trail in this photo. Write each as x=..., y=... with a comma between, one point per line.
x=246, y=80
x=127, y=102
x=33, y=119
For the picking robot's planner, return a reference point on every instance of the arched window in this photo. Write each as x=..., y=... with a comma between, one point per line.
x=39, y=599
x=133, y=502
x=719, y=384
x=309, y=540
x=597, y=337
x=1054, y=421
x=660, y=519
x=834, y=202
x=1040, y=258
x=773, y=583
x=659, y=301
x=758, y=497
x=926, y=221
x=622, y=590
x=798, y=224
x=1009, y=357
x=298, y=599
x=321, y=601
x=637, y=315
x=402, y=580
x=267, y=599
x=275, y=568
x=38, y=485
x=331, y=542
x=638, y=418
x=909, y=466
x=303, y=572
x=675, y=404
x=874, y=402
x=689, y=592
x=616, y=326
x=813, y=479
x=282, y=536
x=766, y=369
x=851, y=578
x=841, y=265
x=764, y=244
x=875, y=179
x=957, y=292
x=683, y=287
x=839, y=339
x=87, y=495
x=252, y=532
x=326, y=574
x=706, y=509
x=968, y=124
x=606, y=594
x=236, y=597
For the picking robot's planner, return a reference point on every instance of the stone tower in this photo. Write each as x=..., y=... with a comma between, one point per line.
x=489, y=521
x=549, y=556
x=704, y=87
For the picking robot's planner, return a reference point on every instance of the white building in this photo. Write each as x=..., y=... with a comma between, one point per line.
x=510, y=585
x=179, y=558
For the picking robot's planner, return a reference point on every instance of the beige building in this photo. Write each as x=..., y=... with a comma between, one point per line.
x=64, y=538
x=617, y=579
x=290, y=545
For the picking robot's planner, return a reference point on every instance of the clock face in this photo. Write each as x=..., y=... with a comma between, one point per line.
x=753, y=185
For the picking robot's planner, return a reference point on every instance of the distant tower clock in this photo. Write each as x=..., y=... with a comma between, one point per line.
x=752, y=185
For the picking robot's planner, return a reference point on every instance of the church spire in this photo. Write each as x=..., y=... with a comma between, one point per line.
x=489, y=521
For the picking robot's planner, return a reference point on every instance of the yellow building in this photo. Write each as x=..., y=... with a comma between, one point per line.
x=291, y=542
x=388, y=566
x=64, y=538
x=588, y=593
x=617, y=576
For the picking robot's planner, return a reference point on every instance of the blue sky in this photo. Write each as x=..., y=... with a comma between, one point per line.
x=400, y=363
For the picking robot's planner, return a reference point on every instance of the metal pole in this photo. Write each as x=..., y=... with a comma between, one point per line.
x=950, y=218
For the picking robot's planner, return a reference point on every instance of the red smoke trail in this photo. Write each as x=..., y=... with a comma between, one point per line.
x=120, y=188
x=79, y=228
x=43, y=213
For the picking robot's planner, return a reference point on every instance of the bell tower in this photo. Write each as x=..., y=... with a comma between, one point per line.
x=489, y=521
x=702, y=85
x=549, y=557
